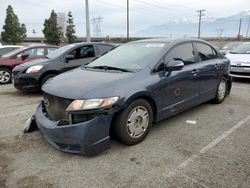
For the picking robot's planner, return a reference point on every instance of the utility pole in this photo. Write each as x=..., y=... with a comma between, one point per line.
x=248, y=28
x=201, y=13
x=239, y=29
x=127, y=19
x=87, y=21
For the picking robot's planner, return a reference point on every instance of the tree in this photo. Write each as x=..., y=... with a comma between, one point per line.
x=51, y=29
x=13, y=31
x=70, y=30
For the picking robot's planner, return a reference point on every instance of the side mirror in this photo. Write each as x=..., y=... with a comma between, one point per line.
x=223, y=53
x=22, y=56
x=174, y=65
x=69, y=57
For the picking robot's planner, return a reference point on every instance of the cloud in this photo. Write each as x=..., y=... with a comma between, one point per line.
x=143, y=13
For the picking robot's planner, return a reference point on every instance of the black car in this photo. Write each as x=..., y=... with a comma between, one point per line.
x=32, y=75
x=128, y=89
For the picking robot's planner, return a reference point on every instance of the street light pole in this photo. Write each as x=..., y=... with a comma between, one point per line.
x=87, y=21
x=127, y=19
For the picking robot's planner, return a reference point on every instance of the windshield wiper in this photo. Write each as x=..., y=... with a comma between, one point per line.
x=233, y=52
x=105, y=67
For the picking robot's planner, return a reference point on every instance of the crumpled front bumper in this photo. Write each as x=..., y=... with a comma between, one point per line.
x=88, y=138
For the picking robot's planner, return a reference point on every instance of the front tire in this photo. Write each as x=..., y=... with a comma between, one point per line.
x=132, y=124
x=221, y=91
x=5, y=76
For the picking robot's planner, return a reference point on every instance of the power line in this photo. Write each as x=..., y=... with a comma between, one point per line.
x=201, y=13
x=96, y=22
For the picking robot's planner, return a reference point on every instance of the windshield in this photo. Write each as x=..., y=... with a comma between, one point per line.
x=243, y=49
x=231, y=45
x=133, y=56
x=13, y=52
x=59, y=51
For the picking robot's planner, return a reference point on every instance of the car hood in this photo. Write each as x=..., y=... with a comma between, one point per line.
x=82, y=83
x=239, y=58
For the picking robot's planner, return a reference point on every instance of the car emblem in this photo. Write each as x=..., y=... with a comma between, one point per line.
x=238, y=64
x=46, y=102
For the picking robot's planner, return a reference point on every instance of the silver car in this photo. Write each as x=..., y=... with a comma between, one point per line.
x=240, y=61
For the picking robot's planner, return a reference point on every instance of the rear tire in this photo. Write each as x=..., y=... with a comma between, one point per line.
x=47, y=78
x=5, y=76
x=222, y=91
x=133, y=124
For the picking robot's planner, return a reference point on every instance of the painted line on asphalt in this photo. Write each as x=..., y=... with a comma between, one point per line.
x=15, y=113
x=191, y=179
x=214, y=142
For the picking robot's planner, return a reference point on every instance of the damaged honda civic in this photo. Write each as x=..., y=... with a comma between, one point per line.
x=125, y=91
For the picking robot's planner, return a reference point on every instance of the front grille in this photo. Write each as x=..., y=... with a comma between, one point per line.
x=241, y=73
x=55, y=107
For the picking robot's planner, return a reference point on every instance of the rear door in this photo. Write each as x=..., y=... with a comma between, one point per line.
x=180, y=89
x=82, y=55
x=209, y=65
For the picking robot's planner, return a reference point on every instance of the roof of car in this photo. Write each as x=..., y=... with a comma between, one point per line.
x=86, y=43
x=10, y=46
x=166, y=40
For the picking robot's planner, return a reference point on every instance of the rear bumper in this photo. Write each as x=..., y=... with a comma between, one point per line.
x=88, y=138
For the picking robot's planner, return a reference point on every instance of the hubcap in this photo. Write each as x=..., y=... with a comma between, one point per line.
x=222, y=89
x=137, y=122
x=4, y=76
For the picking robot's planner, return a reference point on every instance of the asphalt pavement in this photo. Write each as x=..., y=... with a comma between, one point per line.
x=206, y=146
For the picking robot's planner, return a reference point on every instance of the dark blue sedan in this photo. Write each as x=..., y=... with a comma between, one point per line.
x=127, y=90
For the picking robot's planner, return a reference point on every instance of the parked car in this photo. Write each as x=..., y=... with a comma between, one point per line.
x=229, y=47
x=20, y=56
x=128, y=89
x=8, y=48
x=240, y=61
x=32, y=75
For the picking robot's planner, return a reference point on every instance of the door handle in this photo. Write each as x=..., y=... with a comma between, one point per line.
x=217, y=66
x=194, y=71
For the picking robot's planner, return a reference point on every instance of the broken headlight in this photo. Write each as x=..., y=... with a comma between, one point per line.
x=91, y=104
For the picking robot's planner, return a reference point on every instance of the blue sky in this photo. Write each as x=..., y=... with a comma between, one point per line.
x=143, y=13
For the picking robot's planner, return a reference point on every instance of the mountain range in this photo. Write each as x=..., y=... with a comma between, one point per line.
x=224, y=27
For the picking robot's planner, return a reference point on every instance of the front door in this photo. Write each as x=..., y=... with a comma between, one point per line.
x=82, y=55
x=180, y=89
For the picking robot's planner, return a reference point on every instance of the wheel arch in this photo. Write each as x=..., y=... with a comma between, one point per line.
x=6, y=67
x=46, y=74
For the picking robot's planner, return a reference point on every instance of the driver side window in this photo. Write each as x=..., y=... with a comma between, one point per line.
x=83, y=52
x=183, y=52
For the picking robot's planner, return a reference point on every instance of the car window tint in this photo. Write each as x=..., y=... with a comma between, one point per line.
x=83, y=52
x=104, y=48
x=205, y=52
x=86, y=52
x=183, y=52
x=35, y=52
x=50, y=50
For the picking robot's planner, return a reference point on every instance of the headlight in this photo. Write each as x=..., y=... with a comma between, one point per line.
x=90, y=104
x=34, y=69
